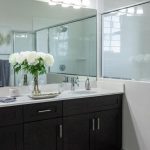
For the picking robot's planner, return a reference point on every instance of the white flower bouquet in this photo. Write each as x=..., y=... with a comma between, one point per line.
x=33, y=62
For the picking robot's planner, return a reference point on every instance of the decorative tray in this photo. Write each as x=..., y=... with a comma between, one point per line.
x=45, y=96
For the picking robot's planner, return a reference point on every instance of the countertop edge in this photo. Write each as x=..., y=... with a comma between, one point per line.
x=30, y=101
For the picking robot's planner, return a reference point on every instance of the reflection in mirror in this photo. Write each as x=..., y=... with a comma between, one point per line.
x=72, y=45
x=68, y=34
x=126, y=46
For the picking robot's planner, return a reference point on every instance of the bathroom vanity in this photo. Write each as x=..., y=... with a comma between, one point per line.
x=81, y=123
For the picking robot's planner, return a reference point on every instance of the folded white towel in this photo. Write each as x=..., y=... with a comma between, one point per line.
x=7, y=99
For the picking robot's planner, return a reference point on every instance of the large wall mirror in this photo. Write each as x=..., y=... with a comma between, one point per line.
x=68, y=34
x=126, y=43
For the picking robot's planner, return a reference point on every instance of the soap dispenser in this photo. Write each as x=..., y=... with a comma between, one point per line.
x=87, y=84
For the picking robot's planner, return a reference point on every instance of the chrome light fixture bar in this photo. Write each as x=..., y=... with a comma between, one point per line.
x=77, y=4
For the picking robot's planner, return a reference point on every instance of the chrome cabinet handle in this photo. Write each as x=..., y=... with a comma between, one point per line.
x=44, y=111
x=93, y=124
x=60, y=131
x=98, y=123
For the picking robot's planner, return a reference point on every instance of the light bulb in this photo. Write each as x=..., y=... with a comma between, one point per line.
x=78, y=2
x=85, y=2
x=67, y=1
x=76, y=7
x=73, y=1
x=65, y=5
x=52, y=3
x=57, y=1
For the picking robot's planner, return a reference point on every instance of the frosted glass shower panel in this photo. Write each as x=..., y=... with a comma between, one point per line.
x=42, y=46
x=42, y=41
x=24, y=41
x=73, y=46
x=126, y=43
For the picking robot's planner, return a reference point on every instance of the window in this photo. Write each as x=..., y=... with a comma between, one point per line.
x=111, y=33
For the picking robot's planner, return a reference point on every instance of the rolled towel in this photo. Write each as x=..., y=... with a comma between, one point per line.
x=7, y=99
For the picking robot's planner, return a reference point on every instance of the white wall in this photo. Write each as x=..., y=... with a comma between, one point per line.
x=136, y=121
x=136, y=102
x=16, y=14
x=136, y=114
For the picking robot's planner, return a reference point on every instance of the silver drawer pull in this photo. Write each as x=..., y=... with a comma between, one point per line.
x=93, y=124
x=98, y=123
x=60, y=131
x=44, y=111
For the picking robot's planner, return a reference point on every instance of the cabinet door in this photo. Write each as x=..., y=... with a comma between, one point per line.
x=108, y=130
x=11, y=138
x=76, y=132
x=42, y=135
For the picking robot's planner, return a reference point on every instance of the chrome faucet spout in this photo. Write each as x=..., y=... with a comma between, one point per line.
x=74, y=81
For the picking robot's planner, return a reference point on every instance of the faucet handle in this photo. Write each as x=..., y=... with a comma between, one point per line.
x=74, y=81
x=77, y=81
x=66, y=79
x=87, y=84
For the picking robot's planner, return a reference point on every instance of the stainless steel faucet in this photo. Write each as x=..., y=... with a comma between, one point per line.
x=66, y=79
x=74, y=81
x=87, y=84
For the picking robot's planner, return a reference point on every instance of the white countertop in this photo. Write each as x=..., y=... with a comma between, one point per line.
x=66, y=95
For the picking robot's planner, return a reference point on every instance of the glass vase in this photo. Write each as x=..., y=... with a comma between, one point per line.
x=25, y=80
x=36, y=90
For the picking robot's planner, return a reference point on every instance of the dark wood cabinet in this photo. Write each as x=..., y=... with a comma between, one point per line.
x=11, y=115
x=105, y=133
x=76, y=132
x=93, y=123
x=11, y=128
x=11, y=138
x=42, y=135
x=41, y=111
x=100, y=103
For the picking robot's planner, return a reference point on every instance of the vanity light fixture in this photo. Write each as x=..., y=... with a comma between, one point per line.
x=76, y=4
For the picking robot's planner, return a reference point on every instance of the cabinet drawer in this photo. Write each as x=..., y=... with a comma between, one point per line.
x=104, y=102
x=75, y=106
x=42, y=111
x=11, y=115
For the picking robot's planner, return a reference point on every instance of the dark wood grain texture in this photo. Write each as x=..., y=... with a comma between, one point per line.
x=41, y=111
x=41, y=135
x=76, y=132
x=11, y=138
x=92, y=123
